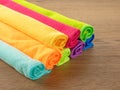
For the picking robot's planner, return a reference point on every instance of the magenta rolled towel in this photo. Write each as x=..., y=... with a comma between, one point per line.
x=77, y=50
x=71, y=32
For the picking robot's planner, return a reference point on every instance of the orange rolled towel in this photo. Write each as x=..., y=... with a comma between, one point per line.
x=48, y=56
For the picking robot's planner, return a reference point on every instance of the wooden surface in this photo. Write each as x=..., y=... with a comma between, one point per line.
x=97, y=68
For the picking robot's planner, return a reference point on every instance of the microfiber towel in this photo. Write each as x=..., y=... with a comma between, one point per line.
x=89, y=43
x=25, y=65
x=3, y=1
x=72, y=33
x=86, y=29
x=33, y=28
x=65, y=57
x=36, y=50
x=77, y=51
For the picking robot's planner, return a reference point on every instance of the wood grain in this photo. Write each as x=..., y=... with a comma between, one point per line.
x=97, y=68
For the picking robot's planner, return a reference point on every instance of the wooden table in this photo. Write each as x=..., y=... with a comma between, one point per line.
x=96, y=69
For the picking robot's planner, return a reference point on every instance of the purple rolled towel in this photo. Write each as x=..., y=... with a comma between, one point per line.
x=77, y=50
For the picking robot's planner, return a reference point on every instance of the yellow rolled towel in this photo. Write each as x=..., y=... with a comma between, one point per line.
x=33, y=28
x=49, y=57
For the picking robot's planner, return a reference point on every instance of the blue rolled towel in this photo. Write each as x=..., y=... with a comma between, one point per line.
x=89, y=43
x=25, y=65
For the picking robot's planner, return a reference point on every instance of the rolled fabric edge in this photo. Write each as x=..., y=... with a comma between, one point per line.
x=89, y=40
x=25, y=65
x=73, y=39
x=60, y=41
x=34, y=70
x=65, y=57
x=89, y=43
x=77, y=50
x=86, y=32
x=52, y=60
x=88, y=46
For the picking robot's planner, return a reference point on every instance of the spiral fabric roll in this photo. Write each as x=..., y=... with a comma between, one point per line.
x=65, y=57
x=77, y=51
x=89, y=43
x=36, y=50
x=33, y=28
x=86, y=29
x=72, y=33
x=30, y=68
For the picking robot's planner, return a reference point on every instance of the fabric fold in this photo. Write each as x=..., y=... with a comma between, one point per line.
x=33, y=28
x=4, y=1
x=89, y=43
x=36, y=50
x=72, y=33
x=77, y=51
x=65, y=57
x=86, y=29
x=25, y=65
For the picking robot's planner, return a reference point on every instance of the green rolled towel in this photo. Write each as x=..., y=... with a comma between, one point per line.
x=25, y=65
x=86, y=29
x=65, y=57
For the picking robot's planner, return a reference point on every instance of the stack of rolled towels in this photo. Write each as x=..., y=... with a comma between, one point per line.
x=34, y=40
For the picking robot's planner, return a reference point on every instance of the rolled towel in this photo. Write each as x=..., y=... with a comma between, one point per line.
x=86, y=29
x=77, y=51
x=65, y=57
x=89, y=43
x=72, y=33
x=33, y=28
x=25, y=65
x=4, y=1
x=36, y=50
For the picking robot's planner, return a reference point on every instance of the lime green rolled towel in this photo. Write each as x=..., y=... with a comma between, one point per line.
x=65, y=56
x=86, y=29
